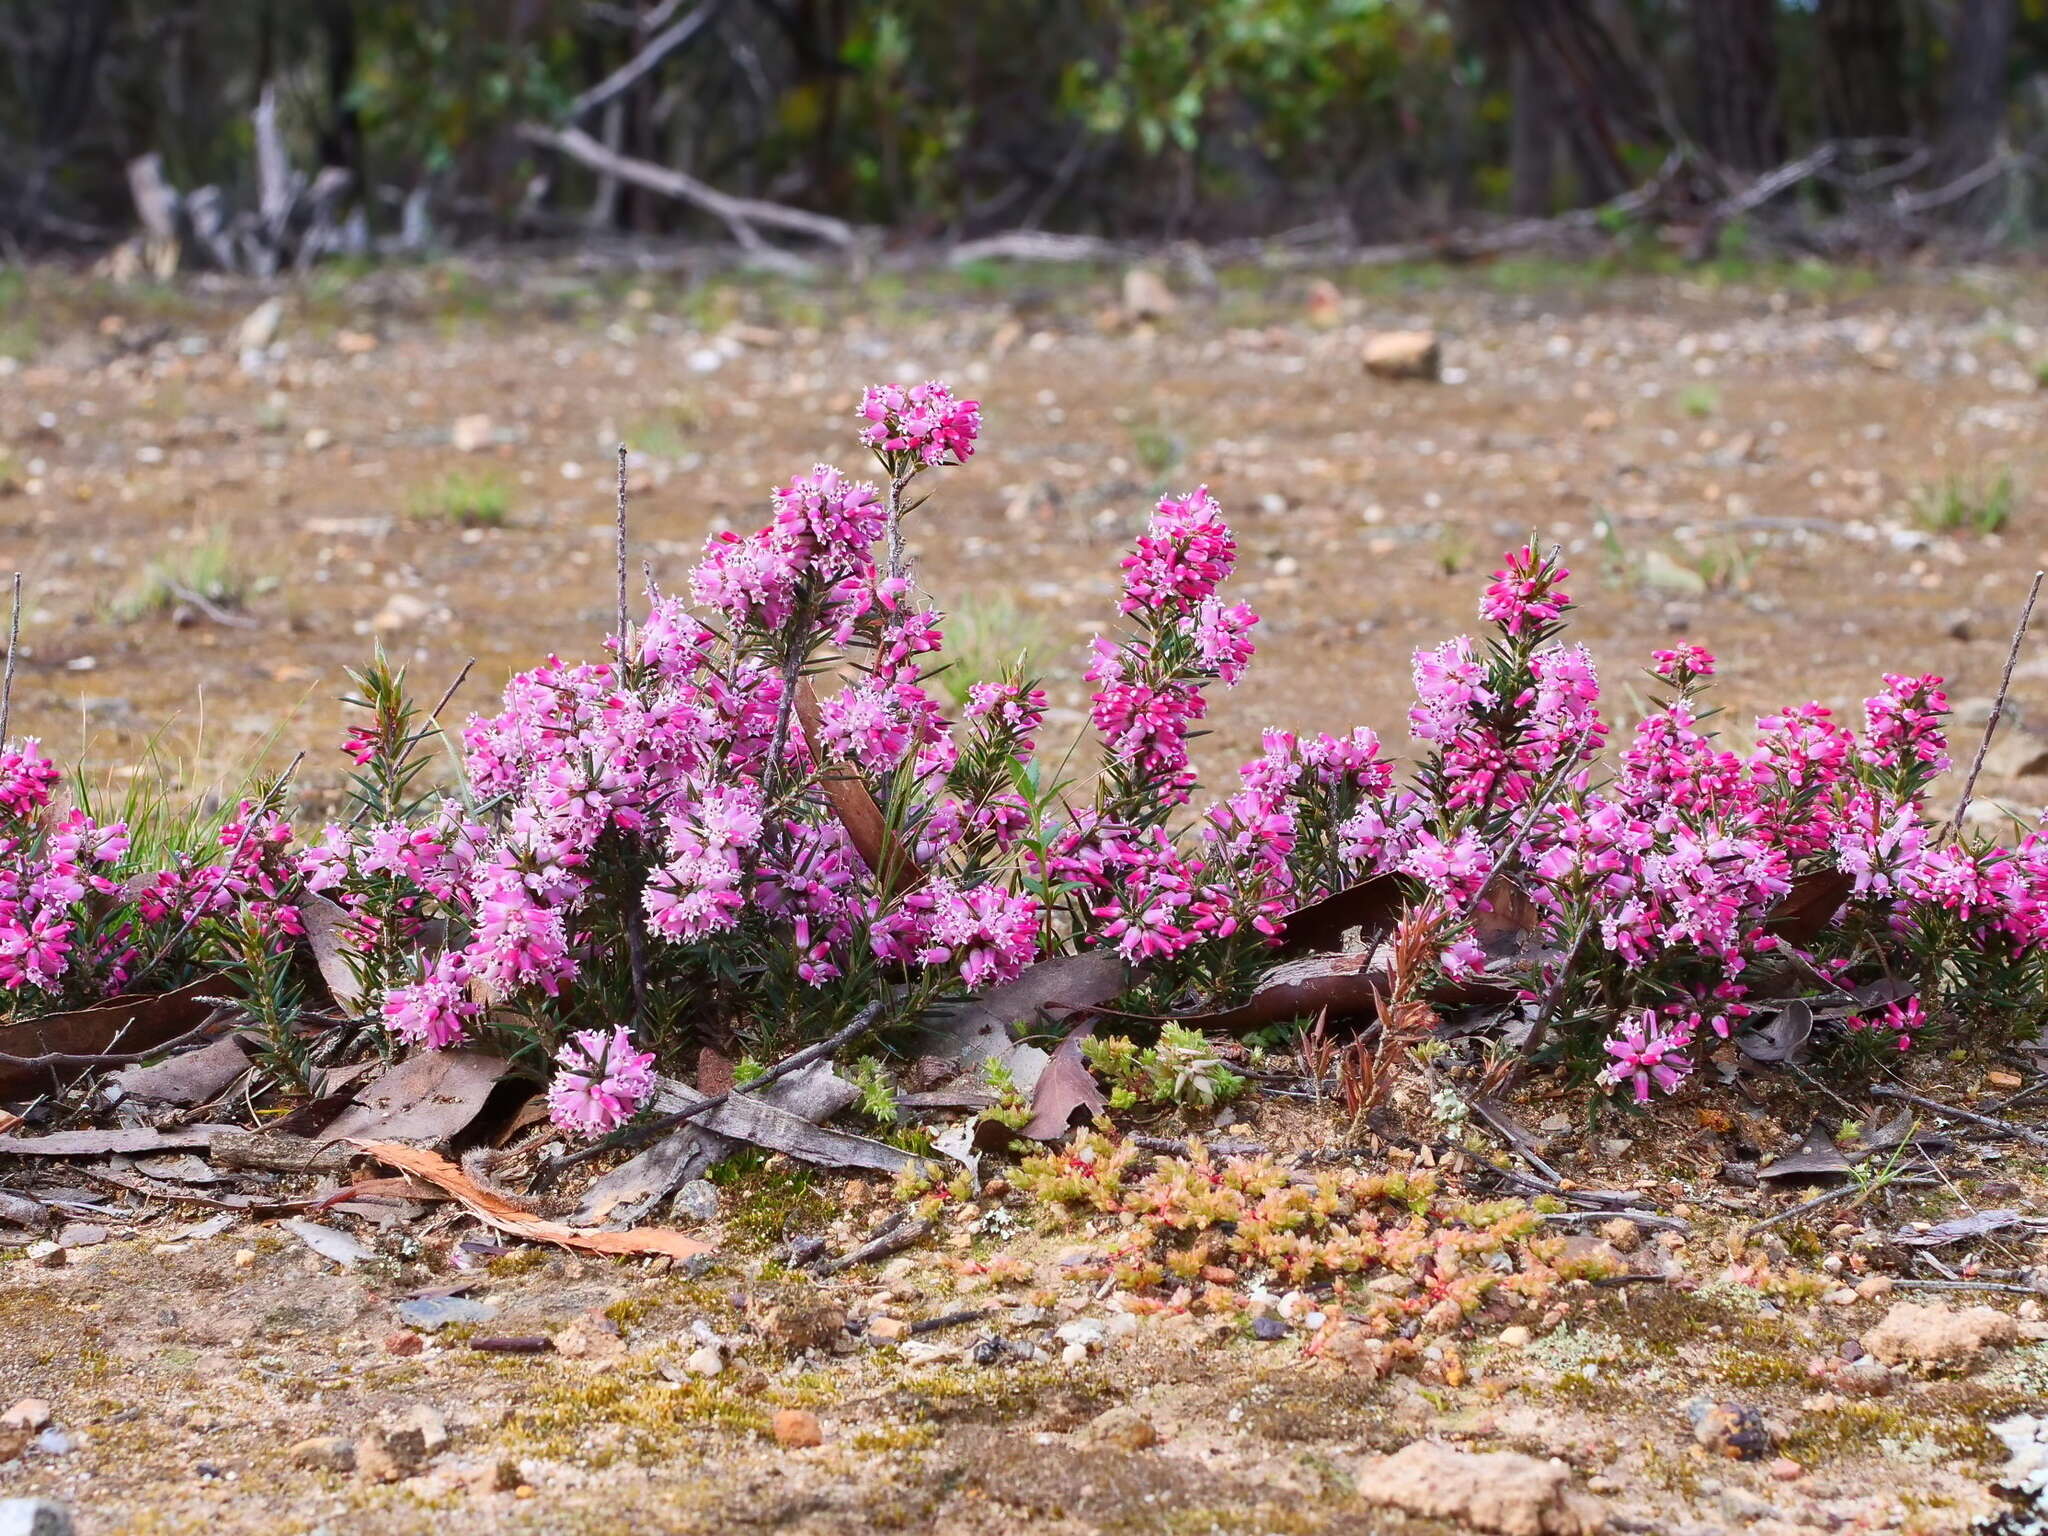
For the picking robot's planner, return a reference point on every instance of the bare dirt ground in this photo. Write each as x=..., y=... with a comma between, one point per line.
x=1754, y=461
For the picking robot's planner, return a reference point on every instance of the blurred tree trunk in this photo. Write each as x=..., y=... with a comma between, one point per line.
x=341, y=136
x=1973, y=109
x=1735, y=58
x=1603, y=104
x=1532, y=139
x=1863, y=80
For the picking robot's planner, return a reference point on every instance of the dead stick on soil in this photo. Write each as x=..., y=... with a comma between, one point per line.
x=2012, y=657
x=2004, y=1288
x=894, y=1240
x=619, y=542
x=1802, y=1208
x=13, y=645
x=1988, y=1122
x=951, y=1320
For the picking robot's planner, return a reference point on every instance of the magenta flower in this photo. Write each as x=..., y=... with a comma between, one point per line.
x=1182, y=558
x=26, y=778
x=923, y=421
x=1645, y=1052
x=435, y=1011
x=1684, y=664
x=601, y=1084
x=1525, y=594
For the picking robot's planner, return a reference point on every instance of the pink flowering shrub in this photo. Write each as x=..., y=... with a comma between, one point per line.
x=86, y=913
x=753, y=817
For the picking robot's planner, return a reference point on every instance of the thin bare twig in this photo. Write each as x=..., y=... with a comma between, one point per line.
x=192, y=1036
x=1803, y=1207
x=1987, y=1122
x=461, y=677
x=13, y=646
x=1997, y=705
x=212, y=610
x=619, y=550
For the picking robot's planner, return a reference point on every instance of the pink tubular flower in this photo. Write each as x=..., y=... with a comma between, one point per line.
x=1645, y=1051
x=1223, y=638
x=1683, y=664
x=1525, y=594
x=1182, y=558
x=923, y=421
x=1904, y=1020
x=26, y=777
x=1903, y=724
x=436, y=1011
x=602, y=1083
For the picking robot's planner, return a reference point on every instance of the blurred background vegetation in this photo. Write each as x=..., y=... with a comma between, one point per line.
x=1355, y=120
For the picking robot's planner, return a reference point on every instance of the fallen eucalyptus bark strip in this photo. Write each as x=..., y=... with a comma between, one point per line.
x=893, y=1241
x=640, y=1135
x=494, y=1210
x=107, y=1143
x=1987, y=1122
x=629, y=1193
x=763, y=1125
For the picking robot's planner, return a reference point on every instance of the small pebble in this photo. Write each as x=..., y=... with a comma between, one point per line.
x=34, y=1517
x=797, y=1429
x=1268, y=1328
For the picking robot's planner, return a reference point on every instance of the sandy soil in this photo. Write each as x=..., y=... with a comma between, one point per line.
x=1738, y=464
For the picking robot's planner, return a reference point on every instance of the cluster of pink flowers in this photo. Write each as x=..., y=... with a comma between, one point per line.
x=922, y=421
x=665, y=832
x=600, y=1082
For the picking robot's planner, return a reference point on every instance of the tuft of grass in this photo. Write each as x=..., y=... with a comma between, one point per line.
x=984, y=636
x=207, y=569
x=1966, y=504
x=466, y=498
x=1454, y=550
x=1158, y=452
x=1699, y=401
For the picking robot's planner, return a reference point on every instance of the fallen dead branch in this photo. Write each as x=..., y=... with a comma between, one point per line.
x=643, y=63
x=738, y=214
x=2008, y=1128
x=893, y=1241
